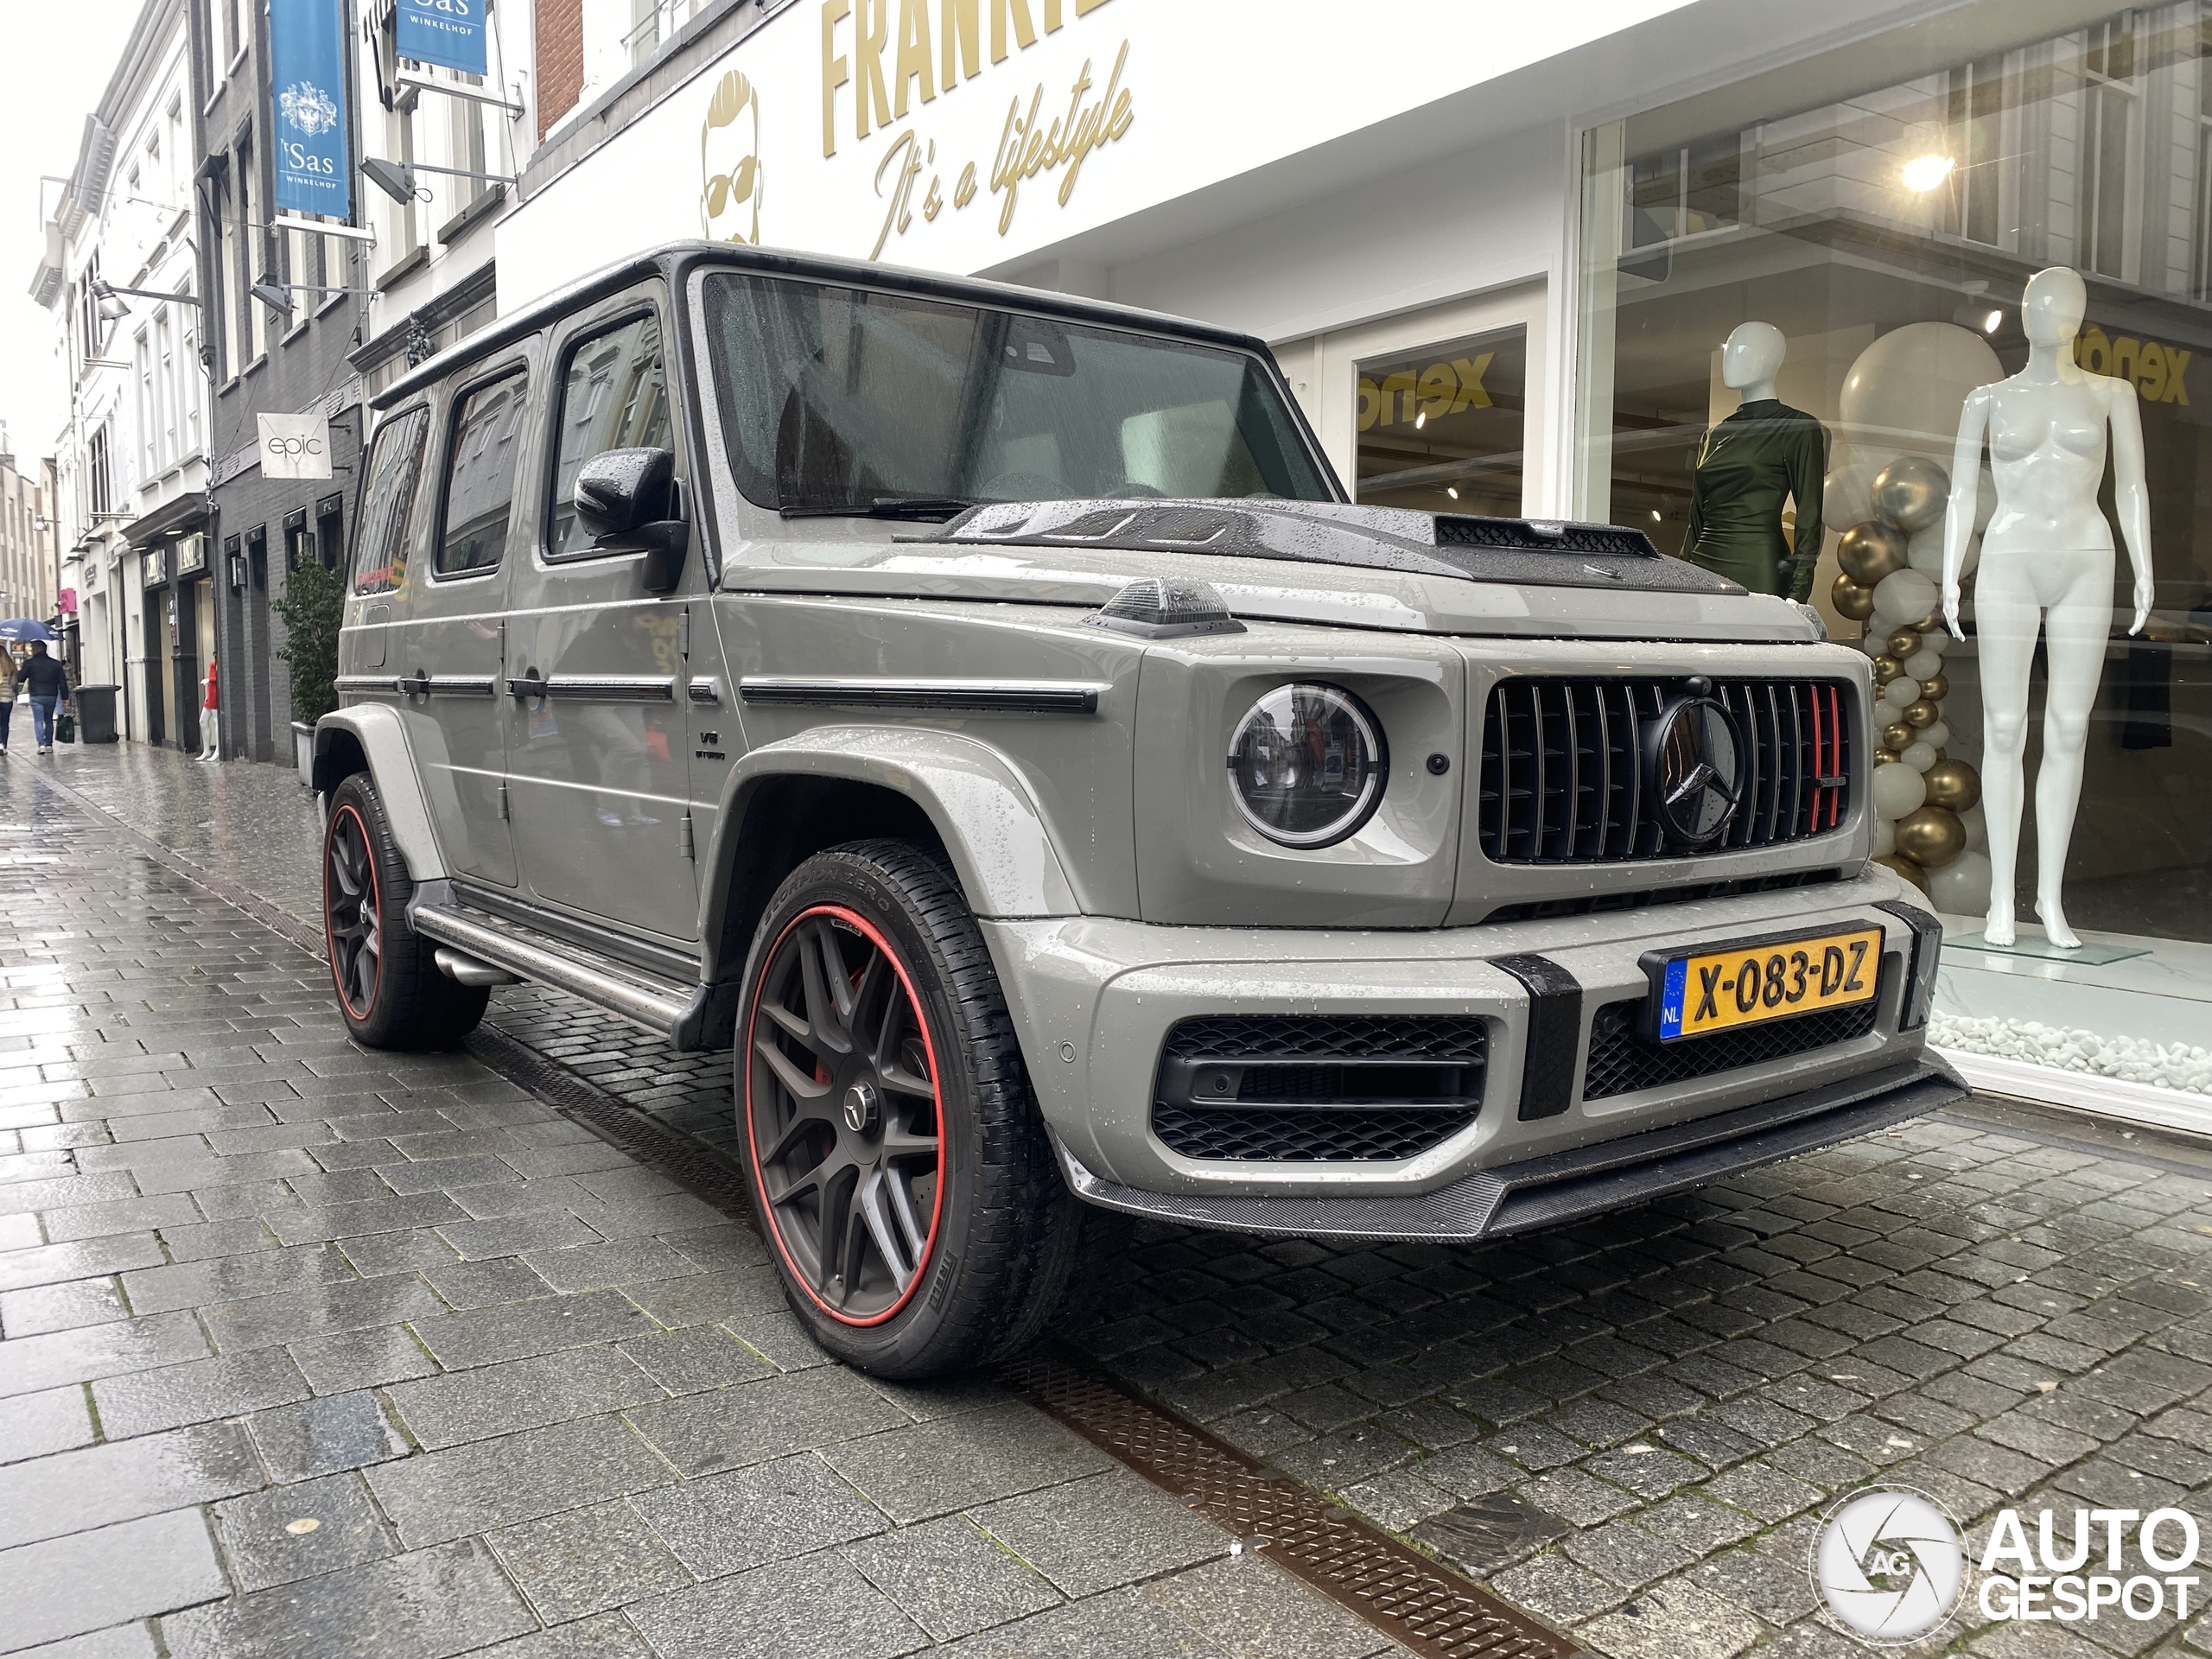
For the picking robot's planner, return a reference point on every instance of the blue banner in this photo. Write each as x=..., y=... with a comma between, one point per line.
x=307, y=81
x=449, y=33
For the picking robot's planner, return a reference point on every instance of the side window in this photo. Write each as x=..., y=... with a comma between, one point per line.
x=388, y=503
x=481, y=478
x=614, y=396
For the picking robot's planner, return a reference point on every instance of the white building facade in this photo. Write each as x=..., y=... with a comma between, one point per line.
x=131, y=462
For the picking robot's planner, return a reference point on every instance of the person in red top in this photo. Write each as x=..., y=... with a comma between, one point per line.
x=210, y=746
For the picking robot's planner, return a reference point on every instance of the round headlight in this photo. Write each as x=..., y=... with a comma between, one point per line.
x=1308, y=765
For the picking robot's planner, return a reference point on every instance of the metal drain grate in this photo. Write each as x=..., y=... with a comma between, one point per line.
x=692, y=1165
x=1400, y=1592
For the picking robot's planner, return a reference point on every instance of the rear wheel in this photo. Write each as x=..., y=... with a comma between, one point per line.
x=894, y=1150
x=390, y=990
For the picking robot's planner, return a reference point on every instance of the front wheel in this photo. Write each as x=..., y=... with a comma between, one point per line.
x=894, y=1147
x=390, y=990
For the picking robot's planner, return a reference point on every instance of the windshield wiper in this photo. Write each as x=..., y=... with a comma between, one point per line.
x=930, y=509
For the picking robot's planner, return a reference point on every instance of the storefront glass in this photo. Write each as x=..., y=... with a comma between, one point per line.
x=1441, y=428
x=1882, y=210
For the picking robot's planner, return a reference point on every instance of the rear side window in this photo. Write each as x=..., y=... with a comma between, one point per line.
x=614, y=396
x=388, y=503
x=480, y=491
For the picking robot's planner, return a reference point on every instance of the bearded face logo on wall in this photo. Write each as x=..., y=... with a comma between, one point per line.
x=729, y=162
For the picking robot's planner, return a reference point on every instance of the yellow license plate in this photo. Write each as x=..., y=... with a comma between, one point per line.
x=1727, y=986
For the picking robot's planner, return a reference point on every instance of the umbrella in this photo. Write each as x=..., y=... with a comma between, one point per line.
x=19, y=630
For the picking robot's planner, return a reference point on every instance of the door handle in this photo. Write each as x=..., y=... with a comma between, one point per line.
x=530, y=684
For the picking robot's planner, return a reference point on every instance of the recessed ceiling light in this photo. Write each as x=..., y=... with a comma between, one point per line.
x=1924, y=173
x=1992, y=322
x=1654, y=515
x=1420, y=420
x=1453, y=491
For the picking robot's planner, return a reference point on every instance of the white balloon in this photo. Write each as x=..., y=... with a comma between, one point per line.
x=1918, y=755
x=1937, y=640
x=1962, y=887
x=1904, y=596
x=1901, y=693
x=1847, y=493
x=1923, y=664
x=1904, y=392
x=1897, y=789
x=1977, y=828
x=1924, y=552
x=1885, y=835
x=1935, y=736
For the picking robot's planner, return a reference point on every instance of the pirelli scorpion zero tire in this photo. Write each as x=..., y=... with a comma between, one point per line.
x=898, y=1164
x=389, y=992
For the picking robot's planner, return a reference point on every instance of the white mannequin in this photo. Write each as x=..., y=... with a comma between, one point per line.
x=2046, y=563
x=1751, y=359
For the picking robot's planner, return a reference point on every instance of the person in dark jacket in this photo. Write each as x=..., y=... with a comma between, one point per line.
x=50, y=687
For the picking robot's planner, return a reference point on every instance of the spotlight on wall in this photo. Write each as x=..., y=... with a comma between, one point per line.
x=274, y=295
x=396, y=181
x=1925, y=173
x=111, y=306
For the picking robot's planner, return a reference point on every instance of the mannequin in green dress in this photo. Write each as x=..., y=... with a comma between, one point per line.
x=1749, y=465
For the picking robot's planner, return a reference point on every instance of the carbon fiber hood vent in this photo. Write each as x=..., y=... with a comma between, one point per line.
x=1522, y=552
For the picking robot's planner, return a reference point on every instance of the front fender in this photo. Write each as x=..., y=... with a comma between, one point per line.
x=382, y=739
x=978, y=803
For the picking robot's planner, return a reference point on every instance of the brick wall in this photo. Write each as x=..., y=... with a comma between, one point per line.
x=560, y=55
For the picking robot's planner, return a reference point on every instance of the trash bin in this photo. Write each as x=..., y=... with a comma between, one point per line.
x=95, y=712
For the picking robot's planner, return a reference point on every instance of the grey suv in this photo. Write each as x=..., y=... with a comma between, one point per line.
x=984, y=711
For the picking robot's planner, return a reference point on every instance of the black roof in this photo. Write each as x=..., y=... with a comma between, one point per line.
x=675, y=259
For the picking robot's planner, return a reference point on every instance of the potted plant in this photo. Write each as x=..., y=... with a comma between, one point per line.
x=311, y=608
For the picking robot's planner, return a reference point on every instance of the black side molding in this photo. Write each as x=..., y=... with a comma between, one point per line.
x=1547, y=1066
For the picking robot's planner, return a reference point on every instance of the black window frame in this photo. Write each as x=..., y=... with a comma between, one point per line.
x=514, y=368
x=625, y=312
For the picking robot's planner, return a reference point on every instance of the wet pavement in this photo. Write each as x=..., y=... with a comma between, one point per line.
x=250, y=1278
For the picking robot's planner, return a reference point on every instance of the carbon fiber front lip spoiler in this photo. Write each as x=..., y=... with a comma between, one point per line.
x=1563, y=1186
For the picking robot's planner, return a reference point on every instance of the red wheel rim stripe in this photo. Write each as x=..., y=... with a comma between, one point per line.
x=929, y=1051
x=375, y=901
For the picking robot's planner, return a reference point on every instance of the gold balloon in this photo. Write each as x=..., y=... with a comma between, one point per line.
x=1954, y=785
x=1870, y=551
x=1904, y=867
x=1896, y=735
x=1921, y=715
x=1902, y=644
x=1882, y=755
x=1886, y=668
x=1934, y=686
x=1931, y=836
x=1929, y=623
x=1850, y=599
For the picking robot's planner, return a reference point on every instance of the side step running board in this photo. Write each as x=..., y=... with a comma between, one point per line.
x=665, y=1007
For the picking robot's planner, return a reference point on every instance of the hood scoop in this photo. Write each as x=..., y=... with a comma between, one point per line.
x=1520, y=551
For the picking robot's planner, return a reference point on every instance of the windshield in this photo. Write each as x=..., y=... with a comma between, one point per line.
x=840, y=398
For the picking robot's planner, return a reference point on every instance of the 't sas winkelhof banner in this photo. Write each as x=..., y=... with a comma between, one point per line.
x=449, y=33
x=307, y=81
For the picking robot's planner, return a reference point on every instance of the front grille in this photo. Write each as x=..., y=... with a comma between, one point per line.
x=1467, y=530
x=1317, y=1089
x=1562, y=769
x=1621, y=1062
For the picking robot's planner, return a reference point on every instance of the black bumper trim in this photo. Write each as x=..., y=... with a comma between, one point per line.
x=1563, y=1186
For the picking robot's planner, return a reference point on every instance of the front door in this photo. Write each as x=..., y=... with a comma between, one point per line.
x=599, y=763
x=451, y=650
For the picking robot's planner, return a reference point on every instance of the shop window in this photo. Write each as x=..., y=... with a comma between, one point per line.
x=388, y=503
x=299, y=541
x=1441, y=429
x=480, y=491
x=1880, y=210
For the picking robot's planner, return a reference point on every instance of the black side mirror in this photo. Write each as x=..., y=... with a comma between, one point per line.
x=629, y=498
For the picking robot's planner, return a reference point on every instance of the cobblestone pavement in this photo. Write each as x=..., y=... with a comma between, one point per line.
x=1631, y=1427
x=308, y=1352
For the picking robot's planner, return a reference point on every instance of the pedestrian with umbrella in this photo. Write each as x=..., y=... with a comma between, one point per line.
x=42, y=677
x=15, y=630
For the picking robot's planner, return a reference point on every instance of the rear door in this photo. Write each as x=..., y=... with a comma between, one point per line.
x=451, y=656
x=599, y=764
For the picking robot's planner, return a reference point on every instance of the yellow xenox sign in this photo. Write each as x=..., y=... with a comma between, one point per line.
x=2157, y=369
x=1439, y=389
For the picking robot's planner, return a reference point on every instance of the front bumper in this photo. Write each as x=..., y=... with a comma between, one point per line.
x=1565, y=1186
x=1093, y=1000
